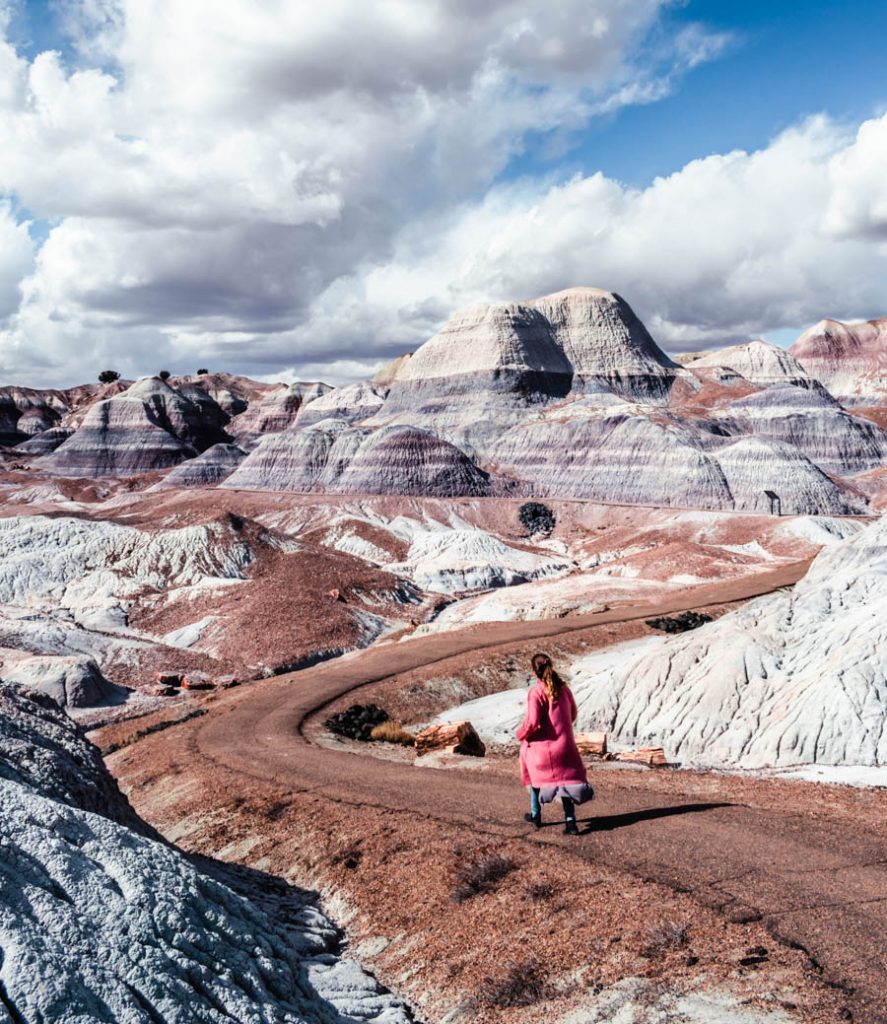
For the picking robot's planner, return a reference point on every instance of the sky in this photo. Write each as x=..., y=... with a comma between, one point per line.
x=299, y=190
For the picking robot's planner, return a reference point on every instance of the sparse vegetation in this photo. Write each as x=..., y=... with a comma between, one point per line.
x=539, y=891
x=150, y=730
x=536, y=518
x=349, y=856
x=479, y=874
x=664, y=937
x=202, y=371
x=108, y=376
x=357, y=722
x=521, y=984
x=164, y=375
x=392, y=732
x=679, y=623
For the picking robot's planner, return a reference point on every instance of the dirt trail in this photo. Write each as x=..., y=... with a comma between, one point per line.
x=817, y=882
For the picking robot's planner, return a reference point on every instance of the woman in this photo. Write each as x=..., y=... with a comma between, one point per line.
x=551, y=766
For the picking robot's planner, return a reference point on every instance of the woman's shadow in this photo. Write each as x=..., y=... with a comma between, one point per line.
x=609, y=822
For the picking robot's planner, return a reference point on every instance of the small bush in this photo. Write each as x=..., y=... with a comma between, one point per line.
x=392, y=732
x=679, y=623
x=473, y=877
x=164, y=375
x=202, y=371
x=521, y=984
x=357, y=722
x=536, y=518
x=108, y=376
x=539, y=891
x=661, y=938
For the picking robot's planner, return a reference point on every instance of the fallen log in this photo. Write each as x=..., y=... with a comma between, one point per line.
x=592, y=743
x=452, y=738
x=653, y=757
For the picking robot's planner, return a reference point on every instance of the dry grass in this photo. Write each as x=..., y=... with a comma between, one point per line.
x=664, y=937
x=392, y=732
x=520, y=984
x=539, y=891
x=479, y=874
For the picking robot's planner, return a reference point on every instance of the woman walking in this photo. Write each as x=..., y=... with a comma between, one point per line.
x=551, y=766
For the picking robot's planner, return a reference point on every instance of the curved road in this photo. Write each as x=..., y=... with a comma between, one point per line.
x=816, y=883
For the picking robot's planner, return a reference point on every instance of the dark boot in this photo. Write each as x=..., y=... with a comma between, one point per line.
x=534, y=819
x=569, y=817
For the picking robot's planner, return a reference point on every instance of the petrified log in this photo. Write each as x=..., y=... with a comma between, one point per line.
x=169, y=678
x=592, y=742
x=452, y=737
x=654, y=757
x=198, y=681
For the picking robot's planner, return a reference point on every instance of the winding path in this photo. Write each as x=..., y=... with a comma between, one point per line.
x=817, y=883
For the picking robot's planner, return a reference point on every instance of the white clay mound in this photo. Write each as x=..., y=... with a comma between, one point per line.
x=99, y=921
x=798, y=677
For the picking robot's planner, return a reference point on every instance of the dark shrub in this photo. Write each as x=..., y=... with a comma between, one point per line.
x=679, y=623
x=480, y=874
x=203, y=370
x=536, y=517
x=108, y=376
x=520, y=984
x=164, y=375
x=357, y=722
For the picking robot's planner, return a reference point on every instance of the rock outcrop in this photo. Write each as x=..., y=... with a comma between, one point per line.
x=813, y=423
x=26, y=412
x=351, y=403
x=615, y=456
x=756, y=361
x=407, y=460
x=149, y=426
x=72, y=682
x=849, y=358
x=331, y=456
x=794, y=678
x=275, y=411
x=753, y=466
x=100, y=920
x=492, y=367
x=206, y=470
x=605, y=343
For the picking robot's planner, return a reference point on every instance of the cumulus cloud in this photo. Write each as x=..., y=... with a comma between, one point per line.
x=726, y=248
x=289, y=186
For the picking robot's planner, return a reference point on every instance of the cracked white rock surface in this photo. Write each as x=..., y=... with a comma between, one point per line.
x=100, y=921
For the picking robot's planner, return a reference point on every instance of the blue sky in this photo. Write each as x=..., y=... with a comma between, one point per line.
x=786, y=61
x=296, y=189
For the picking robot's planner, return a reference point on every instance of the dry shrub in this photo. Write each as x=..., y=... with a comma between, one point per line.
x=539, y=891
x=349, y=856
x=664, y=937
x=520, y=984
x=479, y=874
x=392, y=732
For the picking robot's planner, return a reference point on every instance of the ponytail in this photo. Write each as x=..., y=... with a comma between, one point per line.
x=545, y=673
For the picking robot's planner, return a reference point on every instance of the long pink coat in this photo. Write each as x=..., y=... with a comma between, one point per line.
x=548, y=753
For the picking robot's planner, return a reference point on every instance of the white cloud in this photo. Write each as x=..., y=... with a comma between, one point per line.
x=16, y=260
x=277, y=184
x=726, y=248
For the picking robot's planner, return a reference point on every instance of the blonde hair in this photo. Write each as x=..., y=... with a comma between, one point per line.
x=545, y=673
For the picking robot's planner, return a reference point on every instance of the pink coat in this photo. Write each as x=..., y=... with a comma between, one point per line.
x=548, y=753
